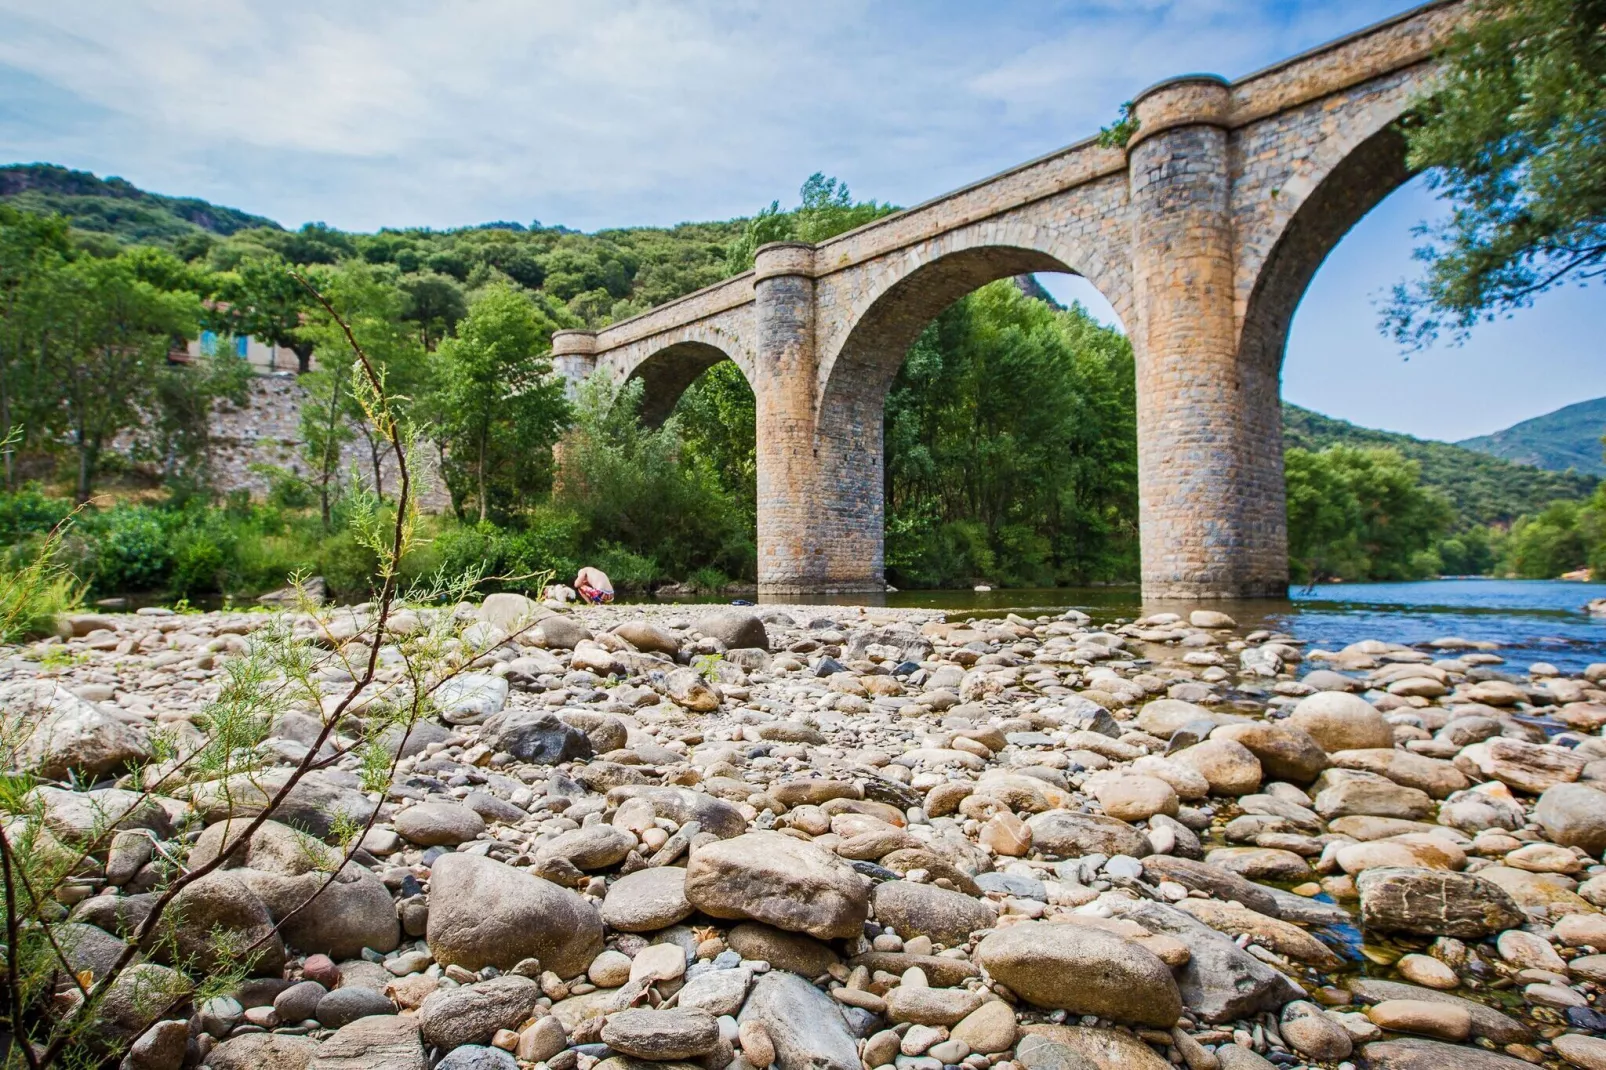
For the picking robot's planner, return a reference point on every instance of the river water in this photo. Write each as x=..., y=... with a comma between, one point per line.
x=1532, y=620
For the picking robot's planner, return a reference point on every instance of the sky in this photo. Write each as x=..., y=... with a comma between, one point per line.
x=595, y=113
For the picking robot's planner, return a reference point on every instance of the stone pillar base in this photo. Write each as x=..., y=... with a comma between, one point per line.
x=1215, y=591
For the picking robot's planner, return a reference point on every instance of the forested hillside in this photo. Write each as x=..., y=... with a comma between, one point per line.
x=1570, y=437
x=1483, y=489
x=119, y=209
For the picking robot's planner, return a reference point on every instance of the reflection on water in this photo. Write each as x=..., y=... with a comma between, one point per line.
x=1532, y=620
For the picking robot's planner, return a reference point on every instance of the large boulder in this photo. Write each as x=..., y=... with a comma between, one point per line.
x=273, y=848
x=1063, y=834
x=511, y=612
x=538, y=736
x=1340, y=721
x=471, y=1014
x=1220, y=982
x=484, y=913
x=735, y=628
x=648, y=637
x=1574, y=815
x=216, y=918
x=925, y=910
x=470, y=698
x=262, y=1051
x=780, y=880
x=805, y=1025
x=339, y=918
x=315, y=805
x=647, y=900
x=1082, y=970
x=380, y=1042
x=65, y=732
x=1229, y=766
x=682, y=805
x=1398, y=899
x=1285, y=751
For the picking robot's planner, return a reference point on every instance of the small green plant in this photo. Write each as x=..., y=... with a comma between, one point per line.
x=1120, y=133
x=57, y=658
x=707, y=665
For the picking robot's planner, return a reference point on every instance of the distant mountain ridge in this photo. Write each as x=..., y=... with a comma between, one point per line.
x=117, y=207
x=1484, y=489
x=1570, y=437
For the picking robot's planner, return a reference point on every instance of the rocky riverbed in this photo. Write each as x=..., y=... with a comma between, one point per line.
x=827, y=838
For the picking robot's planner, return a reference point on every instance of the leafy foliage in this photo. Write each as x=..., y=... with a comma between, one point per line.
x=981, y=486
x=1515, y=138
x=1361, y=514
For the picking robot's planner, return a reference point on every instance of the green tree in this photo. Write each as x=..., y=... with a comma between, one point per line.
x=366, y=297
x=1362, y=514
x=1515, y=137
x=826, y=209
x=981, y=486
x=261, y=299
x=718, y=421
x=31, y=247
x=496, y=406
x=107, y=339
x=639, y=490
x=435, y=303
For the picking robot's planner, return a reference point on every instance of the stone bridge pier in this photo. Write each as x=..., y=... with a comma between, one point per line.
x=1203, y=232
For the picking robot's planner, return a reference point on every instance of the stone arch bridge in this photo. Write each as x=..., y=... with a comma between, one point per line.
x=1203, y=232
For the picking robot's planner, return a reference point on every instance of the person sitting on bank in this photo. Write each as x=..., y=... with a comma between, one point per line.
x=594, y=585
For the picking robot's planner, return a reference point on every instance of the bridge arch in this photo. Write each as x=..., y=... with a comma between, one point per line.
x=892, y=308
x=667, y=365
x=1317, y=203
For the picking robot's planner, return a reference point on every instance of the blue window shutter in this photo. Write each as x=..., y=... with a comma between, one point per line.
x=241, y=344
x=208, y=342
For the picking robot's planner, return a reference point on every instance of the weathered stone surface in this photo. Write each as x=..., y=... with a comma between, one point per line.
x=1486, y=1021
x=1214, y=880
x=1340, y=721
x=470, y=698
x=1230, y=767
x=1285, y=751
x=662, y=1035
x=804, y=1024
x=796, y=952
x=471, y=1014
x=779, y=880
x=221, y=901
x=67, y=732
x=923, y=910
x=1414, y=1054
x=483, y=913
x=735, y=628
x=1082, y=970
x=1220, y=981
x=1103, y=1049
x=439, y=824
x=647, y=900
x=537, y=736
x=386, y=1042
x=261, y=1051
x=1574, y=815
x=1062, y=834
x=348, y=1004
x=682, y=806
x=1430, y=901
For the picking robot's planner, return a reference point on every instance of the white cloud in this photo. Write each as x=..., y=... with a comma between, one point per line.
x=594, y=112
